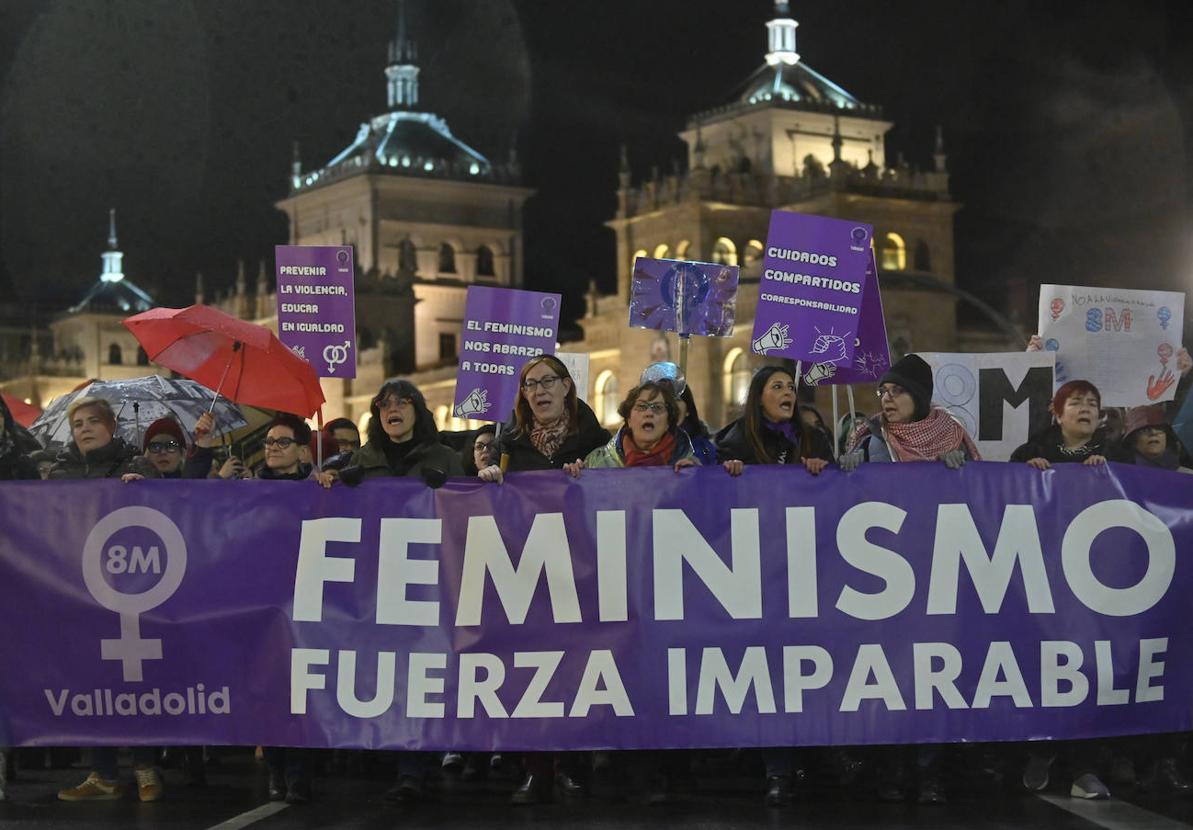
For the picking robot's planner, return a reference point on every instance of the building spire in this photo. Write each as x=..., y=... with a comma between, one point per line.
x=401, y=74
x=781, y=36
x=938, y=155
x=113, y=259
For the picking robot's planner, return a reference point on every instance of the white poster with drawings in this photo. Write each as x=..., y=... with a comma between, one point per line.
x=577, y=363
x=1123, y=342
x=1000, y=398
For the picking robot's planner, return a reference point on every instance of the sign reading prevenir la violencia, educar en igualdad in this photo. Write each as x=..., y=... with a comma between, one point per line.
x=317, y=306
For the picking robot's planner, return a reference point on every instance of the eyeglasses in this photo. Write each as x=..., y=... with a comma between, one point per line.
x=164, y=446
x=892, y=391
x=547, y=383
x=482, y=446
x=280, y=443
x=393, y=402
x=656, y=408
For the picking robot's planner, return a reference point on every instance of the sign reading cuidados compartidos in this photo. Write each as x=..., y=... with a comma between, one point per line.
x=813, y=284
x=627, y=609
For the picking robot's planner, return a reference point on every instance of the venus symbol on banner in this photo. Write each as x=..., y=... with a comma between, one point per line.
x=130, y=649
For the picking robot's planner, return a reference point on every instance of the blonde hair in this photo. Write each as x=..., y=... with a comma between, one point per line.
x=100, y=404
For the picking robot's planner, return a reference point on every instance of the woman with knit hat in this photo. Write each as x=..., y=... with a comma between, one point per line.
x=909, y=428
x=1076, y=435
x=1152, y=439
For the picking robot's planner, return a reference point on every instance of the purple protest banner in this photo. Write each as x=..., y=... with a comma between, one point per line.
x=685, y=297
x=871, y=353
x=813, y=279
x=316, y=306
x=503, y=328
x=637, y=608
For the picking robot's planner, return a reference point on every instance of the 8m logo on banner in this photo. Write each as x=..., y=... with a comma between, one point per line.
x=99, y=556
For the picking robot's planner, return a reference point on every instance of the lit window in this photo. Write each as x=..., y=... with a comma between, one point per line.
x=894, y=253
x=660, y=251
x=681, y=250
x=724, y=252
x=641, y=252
x=607, y=398
x=736, y=380
x=753, y=252
x=441, y=416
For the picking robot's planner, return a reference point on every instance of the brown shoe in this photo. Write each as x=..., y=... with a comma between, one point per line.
x=95, y=788
x=149, y=784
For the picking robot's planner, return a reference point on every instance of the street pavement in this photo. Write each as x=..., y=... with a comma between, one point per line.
x=730, y=796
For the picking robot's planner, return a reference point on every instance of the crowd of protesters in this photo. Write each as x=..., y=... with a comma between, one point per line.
x=552, y=428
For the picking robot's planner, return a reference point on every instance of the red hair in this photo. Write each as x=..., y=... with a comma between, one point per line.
x=1070, y=389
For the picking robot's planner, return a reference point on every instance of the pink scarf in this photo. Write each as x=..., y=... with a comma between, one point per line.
x=924, y=440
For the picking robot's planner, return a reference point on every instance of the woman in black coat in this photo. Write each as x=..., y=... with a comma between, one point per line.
x=771, y=430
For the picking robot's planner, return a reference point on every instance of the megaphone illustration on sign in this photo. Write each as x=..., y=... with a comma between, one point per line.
x=477, y=403
x=773, y=338
x=819, y=372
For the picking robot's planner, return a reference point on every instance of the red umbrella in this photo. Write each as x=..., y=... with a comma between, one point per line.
x=242, y=361
x=23, y=412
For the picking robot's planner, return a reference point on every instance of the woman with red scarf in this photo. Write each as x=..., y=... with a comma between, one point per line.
x=650, y=435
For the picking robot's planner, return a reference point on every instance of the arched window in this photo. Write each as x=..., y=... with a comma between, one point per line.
x=142, y=358
x=641, y=252
x=407, y=257
x=115, y=355
x=447, y=259
x=607, y=397
x=484, y=262
x=441, y=416
x=736, y=383
x=660, y=251
x=724, y=252
x=923, y=258
x=753, y=252
x=681, y=250
x=363, y=423
x=894, y=253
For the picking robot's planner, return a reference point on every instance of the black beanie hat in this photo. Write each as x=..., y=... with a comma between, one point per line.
x=915, y=375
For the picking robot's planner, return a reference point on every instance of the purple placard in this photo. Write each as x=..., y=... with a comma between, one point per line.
x=503, y=328
x=813, y=279
x=316, y=306
x=901, y=603
x=682, y=296
x=871, y=354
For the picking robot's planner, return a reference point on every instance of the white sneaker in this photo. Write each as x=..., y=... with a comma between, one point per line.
x=1089, y=786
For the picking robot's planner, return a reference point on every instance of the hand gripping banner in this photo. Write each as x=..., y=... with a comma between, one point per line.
x=628, y=609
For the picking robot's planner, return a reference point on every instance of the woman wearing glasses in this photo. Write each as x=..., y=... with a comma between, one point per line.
x=650, y=435
x=909, y=428
x=551, y=426
x=402, y=440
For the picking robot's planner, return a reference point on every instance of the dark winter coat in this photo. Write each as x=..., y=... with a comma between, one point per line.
x=431, y=455
x=114, y=460
x=1049, y=444
x=734, y=445
x=523, y=457
x=304, y=472
x=15, y=464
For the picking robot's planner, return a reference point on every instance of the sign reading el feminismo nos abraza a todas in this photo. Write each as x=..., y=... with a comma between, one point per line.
x=630, y=608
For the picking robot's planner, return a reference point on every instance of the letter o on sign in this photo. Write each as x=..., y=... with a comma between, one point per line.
x=1075, y=558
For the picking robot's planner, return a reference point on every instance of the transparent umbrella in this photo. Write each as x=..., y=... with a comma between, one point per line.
x=138, y=403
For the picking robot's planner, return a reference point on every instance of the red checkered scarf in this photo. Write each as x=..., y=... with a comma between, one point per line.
x=924, y=440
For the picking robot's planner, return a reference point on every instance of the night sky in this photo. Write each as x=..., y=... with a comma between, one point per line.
x=1069, y=129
